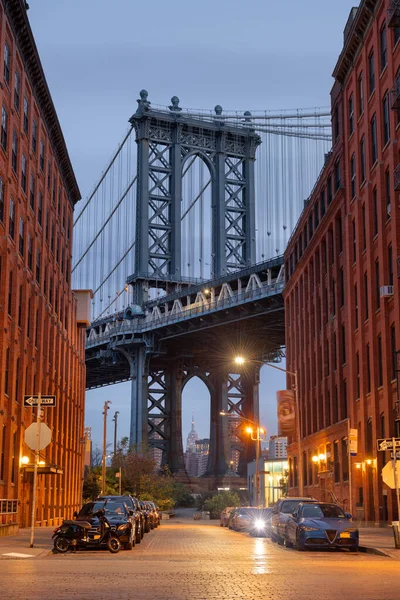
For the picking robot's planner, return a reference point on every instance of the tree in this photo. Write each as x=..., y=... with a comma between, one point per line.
x=218, y=502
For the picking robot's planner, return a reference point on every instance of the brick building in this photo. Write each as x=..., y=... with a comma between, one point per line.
x=41, y=345
x=342, y=291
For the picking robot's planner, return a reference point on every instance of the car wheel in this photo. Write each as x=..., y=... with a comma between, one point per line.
x=287, y=543
x=299, y=543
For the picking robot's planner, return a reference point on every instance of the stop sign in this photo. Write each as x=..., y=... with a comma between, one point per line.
x=388, y=474
x=44, y=436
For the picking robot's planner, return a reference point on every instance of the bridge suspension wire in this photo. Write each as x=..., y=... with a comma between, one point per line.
x=288, y=161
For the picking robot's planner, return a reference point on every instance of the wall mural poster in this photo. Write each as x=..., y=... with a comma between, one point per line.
x=286, y=413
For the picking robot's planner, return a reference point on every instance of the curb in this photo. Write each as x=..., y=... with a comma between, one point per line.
x=376, y=551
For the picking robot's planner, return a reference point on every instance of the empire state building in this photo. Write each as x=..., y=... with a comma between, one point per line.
x=191, y=439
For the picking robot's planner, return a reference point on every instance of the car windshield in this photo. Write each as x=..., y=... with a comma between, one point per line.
x=111, y=508
x=289, y=506
x=322, y=511
x=249, y=511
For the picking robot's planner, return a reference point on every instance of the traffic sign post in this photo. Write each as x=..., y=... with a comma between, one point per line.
x=393, y=444
x=44, y=400
x=35, y=467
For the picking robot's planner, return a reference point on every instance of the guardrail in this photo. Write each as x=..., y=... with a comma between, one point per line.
x=150, y=323
x=8, y=511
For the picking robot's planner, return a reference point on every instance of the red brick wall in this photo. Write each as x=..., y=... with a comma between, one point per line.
x=333, y=375
x=41, y=349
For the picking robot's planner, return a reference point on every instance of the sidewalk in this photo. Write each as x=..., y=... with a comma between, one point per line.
x=378, y=540
x=17, y=546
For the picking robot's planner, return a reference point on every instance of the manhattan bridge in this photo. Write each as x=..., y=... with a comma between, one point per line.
x=182, y=241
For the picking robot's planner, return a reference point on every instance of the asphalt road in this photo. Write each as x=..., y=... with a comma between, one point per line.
x=195, y=561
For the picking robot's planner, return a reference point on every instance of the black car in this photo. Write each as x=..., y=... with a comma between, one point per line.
x=133, y=505
x=117, y=513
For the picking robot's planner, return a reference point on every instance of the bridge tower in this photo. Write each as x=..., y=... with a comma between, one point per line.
x=166, y=140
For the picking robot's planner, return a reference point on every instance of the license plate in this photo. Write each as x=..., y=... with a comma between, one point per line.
x=97, y=536
x=345, y=535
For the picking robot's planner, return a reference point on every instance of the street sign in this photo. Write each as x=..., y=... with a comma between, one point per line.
x=44, y=436
x=388, y=474
x=44, y=400
x=388, y=444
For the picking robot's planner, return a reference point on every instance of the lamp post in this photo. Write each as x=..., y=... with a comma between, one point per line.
x=240, y=360
x=257, y=435
x=115, y=419
x=104, y=461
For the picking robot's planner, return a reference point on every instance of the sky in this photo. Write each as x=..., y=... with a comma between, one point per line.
x=97, y=56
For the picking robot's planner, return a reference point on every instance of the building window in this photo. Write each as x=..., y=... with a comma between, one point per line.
x=1, y=200
x=336, y=461
x=4, y=128
x=366, y=289
x=337, y=175
x=7, y=63
x=21, y=294
x=351, y=114
x=353, y=175
x=387, y=191
x=360, y=95
x=358, y=391
x=362, y=159
x=334, y=362
x=48, y=174
x=390, y=265
x=396, y=35
x=383, y=46
x=380, y=362
x=17, y=90
x=393, y=352
x=375, y=209
x=386, y=119
x=316, y=214
x=353, y=224
x=377, y=286
x=342, y=290
x=38, y=266
x=41, y=156
x=329, y=189
x=26, y=115
x=13, y=456
x=374, y=146
x=21, y=237
x=321, y=203
x=355, y=307
x=364, y=228
x=343, y=345
x=40, y=208
x=11, y=219
x=34, y=137
x=371, y=73
x=54, y=191
x=30, y=253
x=3, y=450
x=23, y=172
x=32, y=192
x=10, y=293
x=368, y=369
x=14, y=152
x=336, y=123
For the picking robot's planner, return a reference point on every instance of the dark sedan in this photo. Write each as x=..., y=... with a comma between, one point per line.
x=118, y=516
x=133, y=505
x=321, y=525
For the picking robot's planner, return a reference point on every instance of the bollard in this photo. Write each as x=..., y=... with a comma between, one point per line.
x=396, y=533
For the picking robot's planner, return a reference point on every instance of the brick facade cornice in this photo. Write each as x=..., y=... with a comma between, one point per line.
x=17, y=17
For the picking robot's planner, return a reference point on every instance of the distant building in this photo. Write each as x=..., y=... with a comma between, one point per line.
x=191, y=438
x=202, y=452
x=191, y=459
x=273, y=480
x=277, y=447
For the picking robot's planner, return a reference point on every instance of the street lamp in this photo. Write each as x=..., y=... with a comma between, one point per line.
x=104, y=461
x=241, y=360
x=257, y=435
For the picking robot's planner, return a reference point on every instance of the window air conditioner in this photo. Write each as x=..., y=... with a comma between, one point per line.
x=386, y=291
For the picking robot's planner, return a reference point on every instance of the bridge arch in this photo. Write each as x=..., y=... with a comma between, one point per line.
x=196, y=409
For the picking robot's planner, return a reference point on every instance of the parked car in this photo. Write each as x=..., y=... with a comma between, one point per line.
x=320, y=525
x=132, y=504
x=244, y=518
x=224, y=516
x=280, y=514
x=261, y=525
x=146, y=516
x=118, y=515
x=231, y=517
x=154, y=514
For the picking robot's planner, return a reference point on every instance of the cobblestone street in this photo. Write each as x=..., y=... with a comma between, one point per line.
x=199, y=560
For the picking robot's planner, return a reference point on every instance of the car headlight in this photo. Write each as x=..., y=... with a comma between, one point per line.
x=123, y=527
x=351, y=530
x=259, y=523
x=305, y=528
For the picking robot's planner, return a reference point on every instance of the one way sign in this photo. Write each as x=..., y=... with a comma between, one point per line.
x=44, y=400
x=388, y=444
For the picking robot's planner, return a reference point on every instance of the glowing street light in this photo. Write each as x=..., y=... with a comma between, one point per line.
x=241, y=360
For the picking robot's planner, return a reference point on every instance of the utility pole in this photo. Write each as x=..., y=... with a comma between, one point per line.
x=35, y=470
x=115, y=419
x=103, y=474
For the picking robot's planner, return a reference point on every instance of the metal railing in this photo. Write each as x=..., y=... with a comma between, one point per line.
x=8, y=511
x=150, y=323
